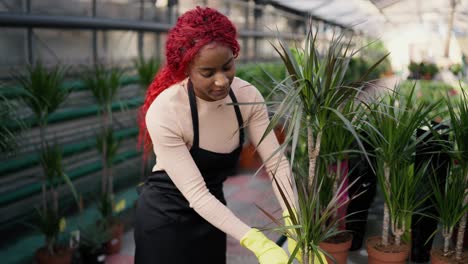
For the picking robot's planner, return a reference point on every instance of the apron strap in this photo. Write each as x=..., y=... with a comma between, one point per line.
x=194, y=111
x=240, y=121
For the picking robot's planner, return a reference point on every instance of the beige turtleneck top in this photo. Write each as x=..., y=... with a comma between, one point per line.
x=170, y=127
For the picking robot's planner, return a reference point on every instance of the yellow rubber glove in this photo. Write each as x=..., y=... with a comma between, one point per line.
x=292, y=244
x=267, y=251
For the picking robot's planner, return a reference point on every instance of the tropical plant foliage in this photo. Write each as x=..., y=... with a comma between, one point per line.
x=43, y=93
x=146, y=69
x=104, y=84
x=313, y=93
x=458, y=112
x=390, y=129
x=449, y=202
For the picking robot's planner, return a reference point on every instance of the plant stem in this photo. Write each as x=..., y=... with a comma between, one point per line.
x=398, y=231
x=446, y=233
x=314, y=150
x=56, y=200
x=461, y=231
x=305, y=255
x=386, y=216
x=104, y=180
x=110, y=183
x=335, y=186
x=43, y=184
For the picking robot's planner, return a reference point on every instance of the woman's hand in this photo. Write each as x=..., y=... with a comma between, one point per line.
x=267, y=251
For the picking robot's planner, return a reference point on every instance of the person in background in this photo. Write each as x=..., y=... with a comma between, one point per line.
x=194, y=121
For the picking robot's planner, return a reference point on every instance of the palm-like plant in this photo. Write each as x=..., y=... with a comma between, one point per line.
x=146, y=70
x=458, y=112
x=43, y=92
x=449, y=203
x=50, y=217
x=104, y=85
x=337, y=143
x=108, y=142
x=390, y=128
x=312, y=93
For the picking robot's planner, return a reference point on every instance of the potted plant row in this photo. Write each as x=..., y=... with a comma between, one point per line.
x=315, y=101
x=451, y=197
x=43, y=92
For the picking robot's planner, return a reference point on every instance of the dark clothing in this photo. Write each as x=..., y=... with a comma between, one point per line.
x=167, y=230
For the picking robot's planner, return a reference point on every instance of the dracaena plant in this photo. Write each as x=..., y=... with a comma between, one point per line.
x=449, y=203
x=43, y=93
x=390, y=127
x=108, y=145
x=51, y=221
x=146, y=70
x=458, y=112
x=338, y=145
x=312, y=92
x=104, y=84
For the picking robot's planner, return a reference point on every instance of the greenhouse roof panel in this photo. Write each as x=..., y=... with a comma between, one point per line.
x=376, y=17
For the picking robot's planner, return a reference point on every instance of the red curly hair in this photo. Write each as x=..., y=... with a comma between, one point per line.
x=193, y=30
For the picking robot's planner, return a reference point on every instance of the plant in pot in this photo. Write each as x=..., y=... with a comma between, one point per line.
x=336, y=150
x=42, y=92
x=312, y=93
x=458, y=122
x=390, y=127
x=110, y=220
x=104, y=85
x=449, y=204
x=51, y=221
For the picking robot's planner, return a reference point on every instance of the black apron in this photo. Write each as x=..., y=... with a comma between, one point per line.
x=167, y=230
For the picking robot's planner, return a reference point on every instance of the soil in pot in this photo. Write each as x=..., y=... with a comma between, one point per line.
x=63, y=255
x=437, y=257
x=391, y=254
x=338, y=247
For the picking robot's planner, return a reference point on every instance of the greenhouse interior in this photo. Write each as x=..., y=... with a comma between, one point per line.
x=390, y=75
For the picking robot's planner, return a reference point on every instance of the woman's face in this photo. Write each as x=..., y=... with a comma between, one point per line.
x=212, y=71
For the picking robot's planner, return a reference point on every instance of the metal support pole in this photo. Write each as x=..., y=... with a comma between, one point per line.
x=94, y=38
x=245, y=40
x=158, y=45
x=140, y=33
x=29, y=37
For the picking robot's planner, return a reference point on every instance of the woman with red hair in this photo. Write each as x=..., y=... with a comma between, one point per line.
x=194, y=121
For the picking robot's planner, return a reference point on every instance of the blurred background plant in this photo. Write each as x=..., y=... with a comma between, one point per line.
x=146, y=70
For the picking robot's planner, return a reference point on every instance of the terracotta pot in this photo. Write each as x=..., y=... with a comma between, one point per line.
x=249, y=158
x=63, y=256
x=338, y=250
x=115, y=244
x=389, y=255
x=438, y=258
